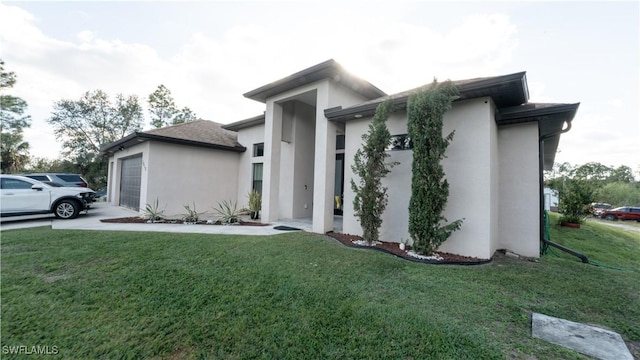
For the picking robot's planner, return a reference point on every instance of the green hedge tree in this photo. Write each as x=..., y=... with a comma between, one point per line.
x=429, y=187
x=575, y=196
x=370, y=165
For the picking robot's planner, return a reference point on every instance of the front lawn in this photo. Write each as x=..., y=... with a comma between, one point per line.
x=96, y=294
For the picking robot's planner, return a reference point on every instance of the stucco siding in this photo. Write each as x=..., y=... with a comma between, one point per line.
x=468, y=168
x=184, y=175
x=519, y=213
x=339, y=95
x=303, y=165
x=353, y=141
x=395, y=226
x=468, y=171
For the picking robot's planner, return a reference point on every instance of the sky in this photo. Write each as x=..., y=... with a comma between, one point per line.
x=209, y=53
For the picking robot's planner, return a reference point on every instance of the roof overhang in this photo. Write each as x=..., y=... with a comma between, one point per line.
x=553, y=120
x=139, y=137
x=505, y=91
x=246, y=123
x=329, y=69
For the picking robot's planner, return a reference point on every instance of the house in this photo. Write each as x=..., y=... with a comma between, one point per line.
x=551, y=199
x=195, y=162
x=300, y=151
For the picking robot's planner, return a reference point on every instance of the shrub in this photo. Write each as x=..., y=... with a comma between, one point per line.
x=191, y=215
x=370, y=166
x=429, y=187
x=152, y=212
x=228, y=212
x=575, y=195
x=255, y=200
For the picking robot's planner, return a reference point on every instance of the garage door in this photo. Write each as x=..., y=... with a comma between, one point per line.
x=130, y=179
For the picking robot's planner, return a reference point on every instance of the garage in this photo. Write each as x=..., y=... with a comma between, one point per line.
x=130, y=180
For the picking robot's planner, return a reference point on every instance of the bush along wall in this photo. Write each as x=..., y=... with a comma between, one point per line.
x=370, y=165
x=429, y=187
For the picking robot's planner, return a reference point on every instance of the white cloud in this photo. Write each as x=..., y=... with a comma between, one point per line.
x=599, y=138
x=618, y=103
x=210, y=72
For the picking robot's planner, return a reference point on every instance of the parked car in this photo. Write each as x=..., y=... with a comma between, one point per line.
x=20, y=195
x=101, y=195
x=622, y=213
x=598, y=208
x=64, y=179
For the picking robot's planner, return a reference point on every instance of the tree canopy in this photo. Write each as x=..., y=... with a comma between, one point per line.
x=83, y=126
x=164, y=111
x=14, y=151
x=608, y=184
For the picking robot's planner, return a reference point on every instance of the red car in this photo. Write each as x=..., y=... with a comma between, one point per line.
x=622, y=213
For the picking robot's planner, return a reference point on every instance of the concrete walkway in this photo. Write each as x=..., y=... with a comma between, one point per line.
x=91, y=221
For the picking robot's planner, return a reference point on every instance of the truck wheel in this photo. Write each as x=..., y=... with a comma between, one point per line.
x=67, y=209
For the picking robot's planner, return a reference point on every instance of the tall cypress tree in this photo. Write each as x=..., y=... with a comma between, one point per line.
x=370, y=166
x=429, y=187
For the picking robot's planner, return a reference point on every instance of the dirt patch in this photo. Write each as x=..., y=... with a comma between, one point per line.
x=139, y=220
x=394, y=249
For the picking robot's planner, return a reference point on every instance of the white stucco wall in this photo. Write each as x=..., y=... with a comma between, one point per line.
x=395, y=226
x=302, y=166
x=519, y=210
x=468, y=167
x=340, y=95
x=181, y=175
x=115, y=168
x=178, y=175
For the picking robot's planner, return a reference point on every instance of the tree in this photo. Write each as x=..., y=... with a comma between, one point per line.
x=38, y=164
x=164, y=111
x=429, y=187
x=85, y=125
x=622, y=174
x=370, y=166
x=14, y=151
x=574, y=196
x=619, y=194
x=592, y=171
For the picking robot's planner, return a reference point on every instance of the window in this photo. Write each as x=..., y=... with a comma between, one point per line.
x=15, y=184
x=340, y=142
x=38, y=177
x=400, y=142
x=257, y=177
x=258, y=150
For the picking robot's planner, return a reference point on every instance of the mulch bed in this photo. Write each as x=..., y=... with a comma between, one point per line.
x=393, y=249
x=139, y=220
x=345, y=239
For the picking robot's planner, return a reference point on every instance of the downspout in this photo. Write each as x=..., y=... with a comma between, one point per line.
x=582, y=257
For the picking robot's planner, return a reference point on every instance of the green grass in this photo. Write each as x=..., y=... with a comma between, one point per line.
x=299, y=295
